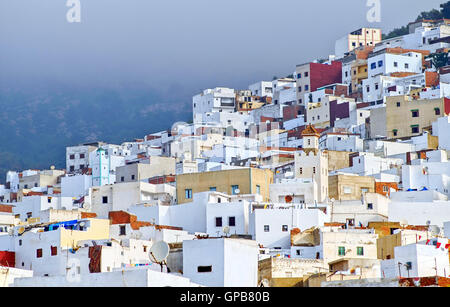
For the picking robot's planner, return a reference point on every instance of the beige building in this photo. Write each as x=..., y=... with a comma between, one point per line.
x=360, y=38
x=157, y=166
x=41, y=179
x=407, y=117
x=350, y=187
x=231, y=182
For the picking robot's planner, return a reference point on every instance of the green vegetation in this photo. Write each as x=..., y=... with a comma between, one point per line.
x=434, y=14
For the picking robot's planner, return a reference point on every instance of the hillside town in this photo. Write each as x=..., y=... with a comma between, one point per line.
x=337, y=175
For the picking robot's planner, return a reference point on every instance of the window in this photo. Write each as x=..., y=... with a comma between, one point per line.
x=284, y=228
x=188, y=193
x=395, y=132
x=299, y=76
x=29, y=214
x=132, y=177
x=105, y=199
x=122, y=178
x=204, y=269
x=20, y=242
x=347, y=190
x=341, y=251
x=213, y=189
x=406, y=65
x=234, y=189
x=39, y=253
x=360, y=251
x=415, y=113
x=398, y=104
x=395, y=64
x=258, y=189
x=301, y=170
x=437, y=111
x=54, y=250
x=306, y=87
x=81, y=166
x=231, y=221
x=368, y=88
x=380, y=63
x=373, y=66
x=369, y=206
x=49, y=200
x=266, y=228
x=218, y=222
x=145, y=248
x=306, y=74
x=376, y=86
x=72, y=157
x=81, y=156
x=385, y=188
x=414, y=129
x=122, y=230
x=299, y=88
x=314, y=170
x=299, y=252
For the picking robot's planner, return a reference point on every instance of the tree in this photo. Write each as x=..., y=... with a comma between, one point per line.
x=445, y=10
x=439, y=59
x=431, y=15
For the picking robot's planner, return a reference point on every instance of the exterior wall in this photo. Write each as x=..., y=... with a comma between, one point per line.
x=139, y=171
x=350, y=239
x=234, y=262
x=346, y=187
x=80, y=155
x=75, y=186
x=378, y=122
x=338, y=160
x=400, y=117
x=418, y=213
x=247, y=179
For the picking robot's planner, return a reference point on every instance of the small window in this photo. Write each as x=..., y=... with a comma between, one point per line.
x=415, y=129
x=54, y=250
x=266, y=228
x=39, y=253
x=81, y=156
x=299, y=252
x=369, y=206
x=213, y=189
x=360, y=251
x=105, y=199
x=218, y=222
x=188, y=193
x=406, y=65
x=415, y=113
x=145, y=248
x=123, y=230
x=306, y=87
x=380, y=63
x=398, y=104
x=234, y=189
x=258, y=189
x=132, y=177
x=204, y=269
x=284, y=228
x=231, y=221
x=341, y=251
x=72, y=157
x=395, y=64
x=122, y=179
x=20, y=242
x=437, y=111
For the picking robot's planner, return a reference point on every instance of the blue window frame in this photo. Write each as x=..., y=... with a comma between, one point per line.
x=188, y=193
x=373, y=66
x=380, y=63
x=299, y=76
x=234, y=189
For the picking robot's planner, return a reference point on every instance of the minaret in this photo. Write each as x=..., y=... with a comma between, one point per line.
x=310, y=139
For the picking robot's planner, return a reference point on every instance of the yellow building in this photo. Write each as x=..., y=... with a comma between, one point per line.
x=237, y=181
x=349, y=187
x=359, y=73
x=407, y=117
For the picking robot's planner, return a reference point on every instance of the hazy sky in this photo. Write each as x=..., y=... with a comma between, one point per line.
x=193, y=43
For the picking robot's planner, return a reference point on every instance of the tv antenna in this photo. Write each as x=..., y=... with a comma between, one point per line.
x=226, y=230
x=159, y=252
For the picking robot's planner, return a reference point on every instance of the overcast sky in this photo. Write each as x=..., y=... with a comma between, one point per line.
x=196, y=43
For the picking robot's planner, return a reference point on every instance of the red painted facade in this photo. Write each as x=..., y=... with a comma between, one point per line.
x=323, y=74
x=8, y=259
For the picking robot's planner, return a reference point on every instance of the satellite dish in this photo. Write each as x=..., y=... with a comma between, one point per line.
x=333, y=200
x=403, y=223
x=82, y=224
x=226, y=230
x=237, y=191
x=159, y=252
x=86, y=206
x=435, y=230
x=52, y=167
